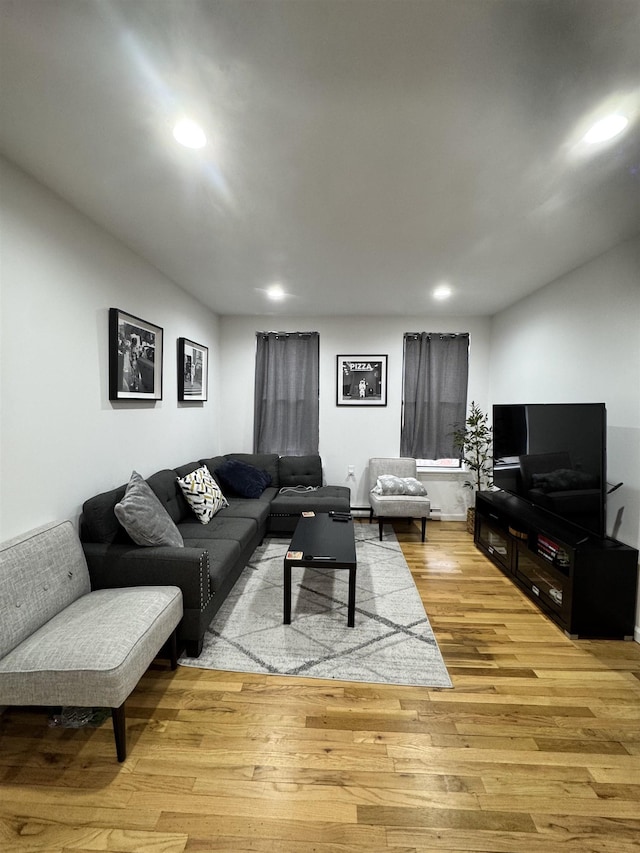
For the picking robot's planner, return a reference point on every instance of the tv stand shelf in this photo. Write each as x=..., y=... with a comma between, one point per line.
x=586, y=585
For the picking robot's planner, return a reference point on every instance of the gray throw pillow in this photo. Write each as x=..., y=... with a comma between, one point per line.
x=144, y=518
x=388, y=484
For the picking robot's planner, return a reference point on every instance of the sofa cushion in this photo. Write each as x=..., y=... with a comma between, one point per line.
x=256, y=508
x=394, y=506
x=143, y=516
x=165, y=487
x=212, y=463
x=94, y=651
x=183, y=470
x=243, y=479
x=241, y=530
x=99, y=522
x=43, y=571
x=300, y=470
x=324, y=499
x=202, y=493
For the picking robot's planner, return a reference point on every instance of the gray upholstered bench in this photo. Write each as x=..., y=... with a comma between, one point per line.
x=62, y=644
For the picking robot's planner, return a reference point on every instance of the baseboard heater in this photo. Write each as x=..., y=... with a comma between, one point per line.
x=360, y=511
x=364, y=511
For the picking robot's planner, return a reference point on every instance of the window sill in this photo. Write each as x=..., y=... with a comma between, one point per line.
x=447, y=472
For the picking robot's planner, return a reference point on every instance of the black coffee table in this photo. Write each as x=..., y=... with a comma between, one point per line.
x=319, y=542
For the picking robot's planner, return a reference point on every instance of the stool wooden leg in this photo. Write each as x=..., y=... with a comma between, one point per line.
x=120, y=731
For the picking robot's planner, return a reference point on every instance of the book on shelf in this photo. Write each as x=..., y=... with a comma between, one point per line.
x=546, y=553
x=552, y=552
x=548, y=544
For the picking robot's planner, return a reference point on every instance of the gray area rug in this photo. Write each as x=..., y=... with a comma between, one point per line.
x=391, y=643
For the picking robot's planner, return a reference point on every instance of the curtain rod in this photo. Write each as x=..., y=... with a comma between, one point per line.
x=285, y=334
x=441, y=335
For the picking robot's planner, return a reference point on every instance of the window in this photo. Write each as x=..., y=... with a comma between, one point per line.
x=286, y=409
x=434, y=393
x=439, y=463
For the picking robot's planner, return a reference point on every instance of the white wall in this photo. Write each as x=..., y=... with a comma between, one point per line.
x=348, y=435
x=61, y=439
x=578, y=340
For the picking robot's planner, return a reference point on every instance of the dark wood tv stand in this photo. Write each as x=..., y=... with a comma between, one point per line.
x=587, y=586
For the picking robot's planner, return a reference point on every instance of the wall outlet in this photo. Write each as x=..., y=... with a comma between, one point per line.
x=351, y=470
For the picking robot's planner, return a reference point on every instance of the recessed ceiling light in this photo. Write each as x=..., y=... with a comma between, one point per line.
x=189, y=134
x=606, y=128
x=443, y=291
x=276, y=292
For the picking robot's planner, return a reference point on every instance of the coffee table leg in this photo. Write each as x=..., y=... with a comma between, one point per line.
x=287, y=593
x=351, y=618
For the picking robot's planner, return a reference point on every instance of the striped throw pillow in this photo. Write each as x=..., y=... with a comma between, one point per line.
x=202, y=493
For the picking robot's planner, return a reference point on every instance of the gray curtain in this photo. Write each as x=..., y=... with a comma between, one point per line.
x=286, y=410
x=436, y=368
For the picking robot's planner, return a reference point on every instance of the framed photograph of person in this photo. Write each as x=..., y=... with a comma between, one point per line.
x=135, y=358
x=193, y=370
x=361, y=380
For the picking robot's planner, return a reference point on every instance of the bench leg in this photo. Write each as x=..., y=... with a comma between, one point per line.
x=120, y=731
x=173, y=648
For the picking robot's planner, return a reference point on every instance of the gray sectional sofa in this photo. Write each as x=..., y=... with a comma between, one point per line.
x=214, y=554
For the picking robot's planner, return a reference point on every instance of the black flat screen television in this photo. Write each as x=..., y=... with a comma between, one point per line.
x=553, y=455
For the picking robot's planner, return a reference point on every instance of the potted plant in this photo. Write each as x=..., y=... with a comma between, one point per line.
x=475, y=442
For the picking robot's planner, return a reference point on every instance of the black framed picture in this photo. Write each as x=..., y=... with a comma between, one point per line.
x=135, y=357
x=193, y=370
x=361, y=380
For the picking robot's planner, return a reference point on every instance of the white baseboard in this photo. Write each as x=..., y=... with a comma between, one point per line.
x=434, y=515
x=636, y=634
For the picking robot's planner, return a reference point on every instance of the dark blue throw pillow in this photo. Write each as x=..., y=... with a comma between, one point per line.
x=242, y=479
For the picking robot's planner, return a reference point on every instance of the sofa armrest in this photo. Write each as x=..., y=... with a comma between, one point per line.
x=112, y=566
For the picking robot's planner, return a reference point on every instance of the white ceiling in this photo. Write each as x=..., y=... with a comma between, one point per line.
x=360, y=151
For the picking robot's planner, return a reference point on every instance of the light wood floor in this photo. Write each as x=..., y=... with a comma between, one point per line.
x=536, y=749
